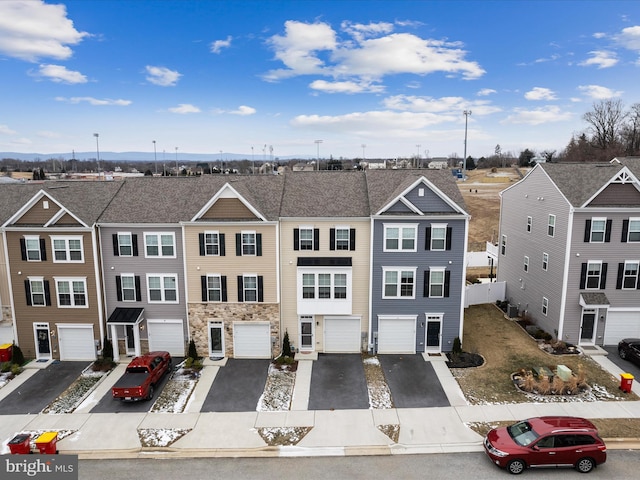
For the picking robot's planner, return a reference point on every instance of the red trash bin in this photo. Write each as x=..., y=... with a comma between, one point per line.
x=626, y=382
x=5, y=352
x=20, y=444
x=47, y=443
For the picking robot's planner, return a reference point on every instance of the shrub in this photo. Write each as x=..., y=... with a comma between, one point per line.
x=456, y=349
x=529, y=383
x=544, y=386
x=286, y=345
x=16, y=369
x=107, y=348
x=558, y=386
x=193, y=351
x=17, y=355
x=5, y=367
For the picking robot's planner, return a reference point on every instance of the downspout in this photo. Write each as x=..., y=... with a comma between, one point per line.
x=372, y=349
x=10, y=285
x=565, y=275
x=97, y=263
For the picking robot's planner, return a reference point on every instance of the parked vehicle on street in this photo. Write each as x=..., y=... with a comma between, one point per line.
x=629, y=349
x=142, y=375
x=546, y=441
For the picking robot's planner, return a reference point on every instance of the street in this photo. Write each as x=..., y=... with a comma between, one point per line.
x=620, y=464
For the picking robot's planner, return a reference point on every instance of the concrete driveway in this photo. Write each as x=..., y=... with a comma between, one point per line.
x=338, y=383
x=237, y=386
x=625, y=365
x=42, y=388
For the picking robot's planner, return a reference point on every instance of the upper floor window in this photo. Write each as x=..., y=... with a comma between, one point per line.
x=545, y=306
x=125, y=245
x=324, y=285
x=342, y=238
x=128, y=288
x=33, y=249
x=545, y=261
x=628, y=275
x=438, y=237
x=160, y=244
x=551, y=226
x=72, y=292
x=631, y=230
x=529, y=224
x=214, y=288
x=211, y=244
x=399, y=283
x=400, y=238
x=248, y=244
x=597, y=230
x=162, y=288
x=250, y=288
x=526, y=263
x=503, y=245
x=67, y=249
x=37, y=292
x=306, y=238
x=593, y=275
x=436, y=283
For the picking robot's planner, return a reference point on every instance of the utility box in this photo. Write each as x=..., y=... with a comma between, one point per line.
x=20, y=444
x=564, y=372
x=5, y=352
x=47, y=443
x=626, y=382
x=512, y=311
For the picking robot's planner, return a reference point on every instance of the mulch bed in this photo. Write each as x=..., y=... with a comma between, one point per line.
x=464, y=360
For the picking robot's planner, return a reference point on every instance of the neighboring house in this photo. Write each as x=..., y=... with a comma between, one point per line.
x=418, y=265
x=53, y=262
x=325, y=255
x=570, y=250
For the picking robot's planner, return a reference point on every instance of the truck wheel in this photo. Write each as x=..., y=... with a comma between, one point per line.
x=150, y=395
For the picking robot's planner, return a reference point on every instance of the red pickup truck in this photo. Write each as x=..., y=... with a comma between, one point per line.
x=141, y=376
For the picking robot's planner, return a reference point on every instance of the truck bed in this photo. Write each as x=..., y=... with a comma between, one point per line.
x=131, y=379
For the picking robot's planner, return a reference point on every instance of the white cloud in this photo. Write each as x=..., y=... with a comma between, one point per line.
x=5, y=130
x=450, y=106
x=48, y=134
x=32, y=29
x=345, y=87
x=540, y=93
x=598, y=92
x=361, y=31
x=95, y=101
x=162, y=76
x=599, y=35
x=243, y=110
x=538, y=116
x=485, y=92
x=185, y=108
x=629, y=38
x=601, y=59
x=218, y=45
x=60, y=74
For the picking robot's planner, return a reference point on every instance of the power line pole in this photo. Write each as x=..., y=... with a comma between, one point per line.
x=466, y=114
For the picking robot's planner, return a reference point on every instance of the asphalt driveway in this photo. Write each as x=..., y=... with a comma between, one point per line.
x=412, y=381
x=625, y=365
x=42, y=388
x=338, y=383
x=237, y=386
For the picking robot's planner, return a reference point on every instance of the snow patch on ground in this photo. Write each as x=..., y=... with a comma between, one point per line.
x=278, y=390
x=160, y=437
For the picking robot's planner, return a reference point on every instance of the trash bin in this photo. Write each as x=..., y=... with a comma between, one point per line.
x=20, y=444
x=5, y=352
x=47, y=443
x=626, y=381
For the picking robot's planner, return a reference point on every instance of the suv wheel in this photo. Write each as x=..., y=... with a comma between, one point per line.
x=516, y=466
x=623, y=353
x=585, y=465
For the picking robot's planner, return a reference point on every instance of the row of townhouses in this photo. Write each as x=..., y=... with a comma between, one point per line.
x=341, y=261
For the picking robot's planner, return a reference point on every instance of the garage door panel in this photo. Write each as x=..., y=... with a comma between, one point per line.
x=76, y=343
x=397, y=335
x=621, y=325
x=342, y=335
x=251, y=340
x=166, y=336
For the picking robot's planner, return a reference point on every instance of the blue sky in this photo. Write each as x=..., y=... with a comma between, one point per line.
x=379, y=78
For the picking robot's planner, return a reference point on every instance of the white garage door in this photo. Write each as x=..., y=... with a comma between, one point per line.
x=342, y=335
x=167, y=335
x=397, y=335
x=252, y=340
x=621, y=325
x=76, y=342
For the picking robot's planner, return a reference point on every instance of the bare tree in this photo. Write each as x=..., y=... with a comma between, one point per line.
x=631, y=131
x=606, y=121
x=548, y=155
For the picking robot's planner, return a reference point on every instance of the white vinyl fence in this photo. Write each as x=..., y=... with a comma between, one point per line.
x=478, y=293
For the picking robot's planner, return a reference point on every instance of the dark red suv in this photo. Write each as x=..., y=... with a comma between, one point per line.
x=546, y=441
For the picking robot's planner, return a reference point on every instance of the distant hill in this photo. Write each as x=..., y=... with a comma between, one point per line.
x=146, y=156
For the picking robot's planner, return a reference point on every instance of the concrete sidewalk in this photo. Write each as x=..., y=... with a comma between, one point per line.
x=337, y=432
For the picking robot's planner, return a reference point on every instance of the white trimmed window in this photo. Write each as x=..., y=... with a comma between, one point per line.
x=503, y=245
x=598, y=228
x=545, y=306
x=32, y=245
x=630, y=275
x=306, y=238
x=400, y=238
x=594, y=270
x=128, y=286
x=71, y=292
x=36, y=287
x=529, y=224
x=214, y=288
x=551, y=225
x=248, y=243
x=67, y=249
x=545, y=261
x=250, y=288
x=438, y=236
x=211, y=243
x=324, y=286
x=343, y=237
x=160, y=244
x=436, y=282
x=162, y=288
x=634, y=230
x=398, y=282
x=125, y=244
x=526, y=263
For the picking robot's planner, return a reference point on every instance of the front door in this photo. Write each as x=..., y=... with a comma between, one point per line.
x=216, y=340
x=306, y=334
x=130, y=340
x=43, y=341
x=587, y=328
x=433, y=334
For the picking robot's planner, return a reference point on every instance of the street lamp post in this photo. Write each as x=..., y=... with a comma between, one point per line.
x=418, y=158
x=97, y=135
x=466, y=114
x=253, y=162
x=176, y=161
x=318, y=142
x=155, y=158
x=363, y=147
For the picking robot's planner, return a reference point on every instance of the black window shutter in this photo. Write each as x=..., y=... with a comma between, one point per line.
x=259, y=244
x=316, y=239
x=583, y=276
x=223, y=284
x=427, y=239
x=587, y=230
x=240, y=288
x=607, y=232
x=625, y=231
x=260, y=288
x=332, y=239
x=352, y=239
x=620, y=275
x=221, y=244
x=448, y=239
x=447, y=281
x=119, y=287
x=138, y=289
x=603, y=277
x=43, y=250
x=116, y=250
x=201, y=244
x=238, y=245
x=296, y=239
x=27, y=289
x=47, y=293
x=23, y=248
x=425, y=292
x=134, y=244
x=203, y=287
